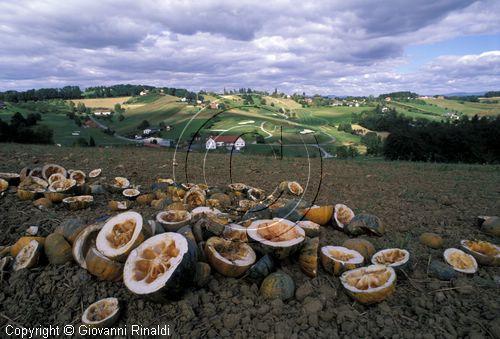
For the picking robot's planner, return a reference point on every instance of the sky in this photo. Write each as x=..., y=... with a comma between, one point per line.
x=328, y=47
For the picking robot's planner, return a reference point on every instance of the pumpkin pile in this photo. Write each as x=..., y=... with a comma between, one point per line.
x=237, y=230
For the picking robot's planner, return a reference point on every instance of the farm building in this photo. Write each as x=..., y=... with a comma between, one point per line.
x=159, y=141
x=103, y=112
x=151, y=130
x=227, y=141
x=214, y=105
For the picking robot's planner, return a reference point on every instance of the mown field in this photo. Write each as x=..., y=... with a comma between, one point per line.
x=466, y=107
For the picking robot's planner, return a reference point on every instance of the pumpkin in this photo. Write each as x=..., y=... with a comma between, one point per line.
x=202, y=275
x=308, y=258
x=55, y=177
x=102, y=313
x=78, y=202
x=370, y=284
x=161, y=268
x=115, y=205
x=491, y=226
x=60, y=189
x=260, y=270
x=363, y=246
x=23, y=194
x=102, y=267
x=295, y=188
x=118, y=185
x=120, y=235
x=12, y=179
x=173, y=220
x=195, y=198
x=238, y=187
x=460, y=261
x=78, y=176
x=145, y=199
x=57, y=249
x=235, y=232
x=484, y=252
x=278, y=285
x=365, y=223
x=4, y=185
x=36, y=173
x=431, y=240
x=50, y=169
x=310, y=228
x=28, y=256
x=25, y=172
x=42, y=203
x=337, y=259
x=229, y=258
x=342, y=215
x=83, y=242
x=95, y=173
x=319, y=214
x=70, y=228
x=23, y=241
x=398, y=259
x=279, y=237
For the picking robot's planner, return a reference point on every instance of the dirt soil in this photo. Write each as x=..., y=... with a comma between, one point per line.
x=409, y=198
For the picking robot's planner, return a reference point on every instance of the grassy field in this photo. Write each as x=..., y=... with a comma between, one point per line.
x=465, y=107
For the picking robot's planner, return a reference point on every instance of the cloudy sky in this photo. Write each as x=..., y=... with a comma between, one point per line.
x=320, y=46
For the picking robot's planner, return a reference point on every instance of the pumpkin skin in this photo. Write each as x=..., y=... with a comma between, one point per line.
x=335, y=266
x=375, y=295
x=202, y=275
x=363, y=246
x=23, y=194
x=213, y=248
x=23, y=241
x=260, y=270
x=365, y=223
x=278, y=285
x=57, y=249
x=70, y=228
x=103, y=267
x=110, y=320
x=42, y=203
x=319, y=214
x=308, y=258
x=145, y=199
x=84, y=241
x=491, y=226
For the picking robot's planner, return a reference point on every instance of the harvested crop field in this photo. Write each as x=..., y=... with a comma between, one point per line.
x=409, y=198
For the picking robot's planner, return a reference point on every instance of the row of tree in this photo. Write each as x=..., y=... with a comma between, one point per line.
x=67, y=92
x=469, y=140
x=25, y=130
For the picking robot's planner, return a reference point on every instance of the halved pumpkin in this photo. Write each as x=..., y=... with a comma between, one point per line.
x=397, y=258
x=95, y=173
x=120, y=235
x=235, y=232
x=238, y=187
x=118, y=184
x=36, y=173
x=102, y=313
x=78, y=202
x=131, y=193
x=229, y=258
x=338, y=259
x=162, y=267
x=28, y=256
x=342, y=215
x=60, y=189
x=319, y=214
x=84, y=241
x=460, y=261
x=50, y=169
x=78, y=176
x=195, y=198
x=484, y=252
x=202, y=211
x=370, y=284
x=103, y=267
x=22, y=242
x=173, y=220
x=55, y=177
x=115, y=205
x=295, y=188
x=279, y=237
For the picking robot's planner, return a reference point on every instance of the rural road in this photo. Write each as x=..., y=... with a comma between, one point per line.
x=269, y=135
x=116, y=135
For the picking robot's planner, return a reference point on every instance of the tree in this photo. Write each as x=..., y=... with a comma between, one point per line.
x=121, y=117
x=143, y=125
x=91, y=142
x=373, y=143
x=118, y=109
x=80, y=108
x=81, y=142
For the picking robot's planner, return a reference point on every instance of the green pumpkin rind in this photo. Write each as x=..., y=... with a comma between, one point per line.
x=278, y=285
x=365, y=223
x=308, y=258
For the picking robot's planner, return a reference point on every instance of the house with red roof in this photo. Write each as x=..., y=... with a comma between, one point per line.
x=228, y=141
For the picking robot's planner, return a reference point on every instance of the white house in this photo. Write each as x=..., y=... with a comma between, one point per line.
x=228, y=141
x=144, y=92
x=103, y=112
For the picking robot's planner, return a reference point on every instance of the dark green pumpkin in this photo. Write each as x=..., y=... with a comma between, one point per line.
x=365, y=223
x=278, y=285
x=260, y=270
